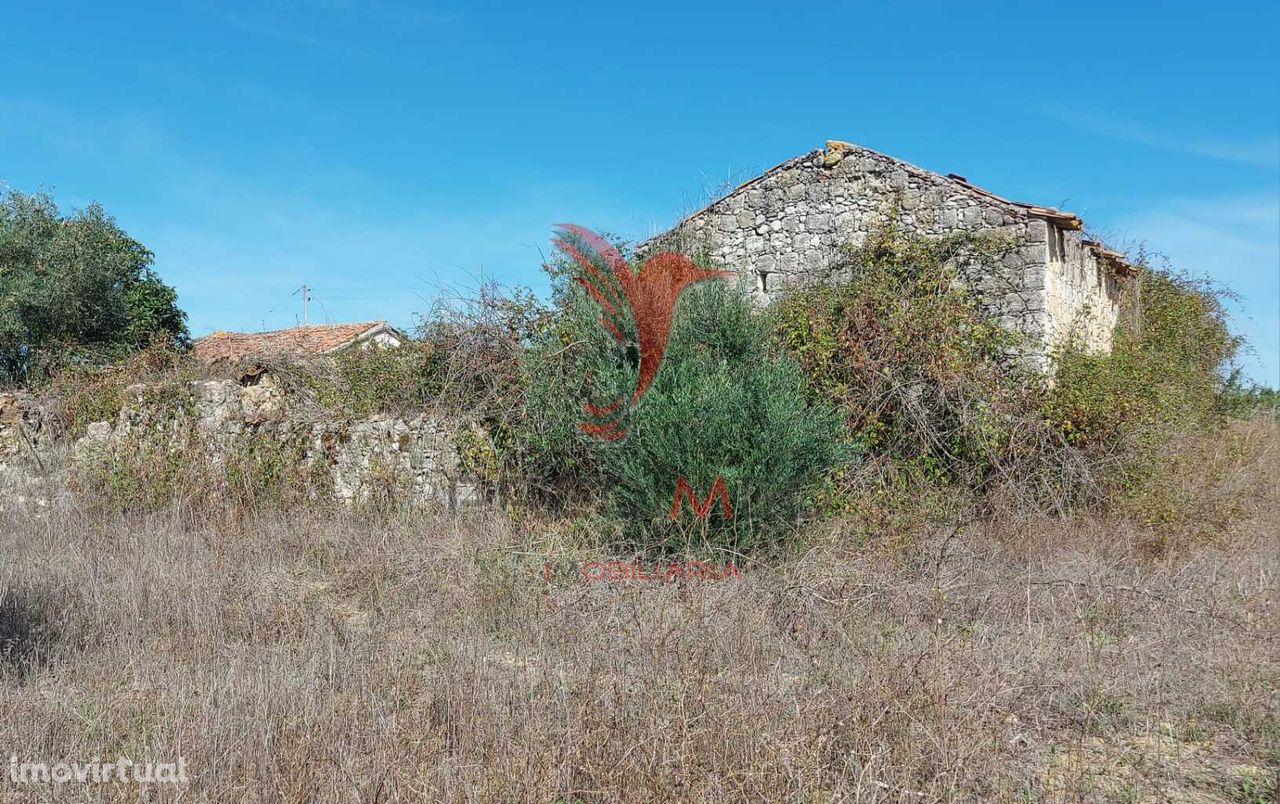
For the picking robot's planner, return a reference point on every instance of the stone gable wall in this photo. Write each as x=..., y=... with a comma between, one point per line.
x=784, y=230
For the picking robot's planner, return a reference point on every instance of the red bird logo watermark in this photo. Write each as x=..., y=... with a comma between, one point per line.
x=645, y=300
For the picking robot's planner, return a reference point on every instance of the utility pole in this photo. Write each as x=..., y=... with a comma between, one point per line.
x=304, y=305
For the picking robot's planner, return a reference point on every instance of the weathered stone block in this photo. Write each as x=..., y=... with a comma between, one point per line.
x=800, y=213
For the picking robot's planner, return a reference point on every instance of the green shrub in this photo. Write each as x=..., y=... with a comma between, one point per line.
x=923, y=377
x=721, y=406
x=543, y=453
x=1165, y=373
x=1149, y=414
x=1247, y=401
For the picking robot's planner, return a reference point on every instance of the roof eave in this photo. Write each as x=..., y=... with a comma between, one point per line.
x=1113, y=259
x=381, y=326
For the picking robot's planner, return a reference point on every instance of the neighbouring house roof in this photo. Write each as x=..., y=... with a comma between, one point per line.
x=297, y=341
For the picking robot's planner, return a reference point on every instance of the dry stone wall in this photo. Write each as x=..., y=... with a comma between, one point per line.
x=413, y=457
x=24, y=453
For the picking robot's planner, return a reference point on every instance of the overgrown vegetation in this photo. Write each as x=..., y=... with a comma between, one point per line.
x=74, y=290
x=891, y=401
x=1165, y=373
x=78, y=395
x=1154, y=406
x=920, y=373
x=464, y=362
x=1048, y=643
x=1246, y=400
x=953, y=426
x=935, y=393
x=722, y=407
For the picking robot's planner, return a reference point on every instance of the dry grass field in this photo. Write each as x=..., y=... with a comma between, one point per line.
x=304, y=657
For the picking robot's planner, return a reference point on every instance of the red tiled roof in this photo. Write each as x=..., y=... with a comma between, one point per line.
x=301, y=341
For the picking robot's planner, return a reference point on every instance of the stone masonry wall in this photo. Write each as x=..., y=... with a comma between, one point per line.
x=415, y=457
x=23, y=451
x=783, y=230
x=1081, y=297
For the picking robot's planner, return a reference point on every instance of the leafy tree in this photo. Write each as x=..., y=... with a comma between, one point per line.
x=74, y=289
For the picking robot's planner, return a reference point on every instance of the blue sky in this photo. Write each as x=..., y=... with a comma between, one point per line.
x=380, y=152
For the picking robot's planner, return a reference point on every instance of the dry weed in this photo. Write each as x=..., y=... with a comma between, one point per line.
x=309, y=657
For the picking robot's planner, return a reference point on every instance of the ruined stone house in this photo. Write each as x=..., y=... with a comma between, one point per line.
x=785, y=228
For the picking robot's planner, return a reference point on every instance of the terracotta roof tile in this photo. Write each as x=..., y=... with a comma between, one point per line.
x=301, y=341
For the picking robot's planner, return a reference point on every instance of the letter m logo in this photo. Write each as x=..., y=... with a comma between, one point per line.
x=700, y=509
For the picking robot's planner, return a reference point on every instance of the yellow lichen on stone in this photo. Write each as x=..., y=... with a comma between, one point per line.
x=836, y=150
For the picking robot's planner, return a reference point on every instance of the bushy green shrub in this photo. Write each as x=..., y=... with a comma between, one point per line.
x=1247, y=400
x=1148, y=414
x=543, y=453
x=1166, y=370
x=721, y=406
x=923, y=376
